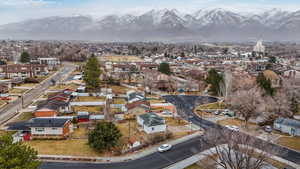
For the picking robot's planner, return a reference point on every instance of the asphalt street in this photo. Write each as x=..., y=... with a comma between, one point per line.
x=185, y=106
x=10, y=109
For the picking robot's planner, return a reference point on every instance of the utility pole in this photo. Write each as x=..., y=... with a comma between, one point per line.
x=22, y=99
x=129, y=130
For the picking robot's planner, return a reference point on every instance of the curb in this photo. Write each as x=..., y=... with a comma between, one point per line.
x=135, y=156
x=200, y=156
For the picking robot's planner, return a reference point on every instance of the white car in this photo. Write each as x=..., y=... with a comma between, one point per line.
x=232, y=127
x=164, y=147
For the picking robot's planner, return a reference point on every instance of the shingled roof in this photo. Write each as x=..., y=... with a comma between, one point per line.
x=152, y=119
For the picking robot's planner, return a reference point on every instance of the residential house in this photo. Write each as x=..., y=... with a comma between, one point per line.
x=137, y=107
x=45, y=112
x=289, y=126
x=151, y=123
x=3, y=88
x=40, y=128
x=23, y=70
x=133, y=96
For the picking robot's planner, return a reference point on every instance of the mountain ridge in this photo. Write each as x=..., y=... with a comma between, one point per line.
x=163, y=25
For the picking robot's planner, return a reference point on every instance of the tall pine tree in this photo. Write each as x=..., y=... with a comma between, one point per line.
x=215, y=80
x=25, y=57
x=91, y=74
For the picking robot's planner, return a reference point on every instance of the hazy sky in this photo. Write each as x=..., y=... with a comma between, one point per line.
x=18, y=10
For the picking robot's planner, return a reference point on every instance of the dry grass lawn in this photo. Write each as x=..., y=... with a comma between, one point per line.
x=120, y=58
x=212, y=106
x=32, y=85
x=24, y=117
x=156, y=101
x=17, y=91
x=2, y=103
x=134, y=132
x=204, y=114
x=194, y=166
x=90, y=99
x=119, y=101
x=78, y=147
x=291, y=142
x=80, y=132
x=62, y=87
x=175, y=121
x=119, y=89
x=91, y=109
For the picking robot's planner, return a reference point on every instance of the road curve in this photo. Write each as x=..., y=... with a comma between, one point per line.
x=185, y=106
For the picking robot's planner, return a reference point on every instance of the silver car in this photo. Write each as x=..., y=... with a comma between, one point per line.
x=164, y=147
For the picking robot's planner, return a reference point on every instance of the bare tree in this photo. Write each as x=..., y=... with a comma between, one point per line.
x=233, y=150
x=247, y=103
x=281, y=103
x=226, y=85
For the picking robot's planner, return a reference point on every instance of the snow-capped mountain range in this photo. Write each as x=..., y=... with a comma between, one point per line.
x=163, y=25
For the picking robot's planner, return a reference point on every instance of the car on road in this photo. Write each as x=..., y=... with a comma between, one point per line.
x=268, y=129
x=164, y=147
x=232, y=127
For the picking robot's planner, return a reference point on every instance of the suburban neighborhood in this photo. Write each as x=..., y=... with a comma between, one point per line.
x=204, y=105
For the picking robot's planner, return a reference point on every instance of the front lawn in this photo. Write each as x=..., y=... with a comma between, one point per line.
x=78, y=147
x=24, y=117
x=290, y=142
x=119, y=89
x=90, y=99
x=119, y=101
x=91, y=109
x=175, y=121
x=194, y=166
x=17, y=91
x=212, y=106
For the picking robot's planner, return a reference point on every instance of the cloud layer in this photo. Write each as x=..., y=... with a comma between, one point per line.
x=18, y=10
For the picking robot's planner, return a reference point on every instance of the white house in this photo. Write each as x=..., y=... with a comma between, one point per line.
x=151, y=123
x=50, y=127
x=289, y=126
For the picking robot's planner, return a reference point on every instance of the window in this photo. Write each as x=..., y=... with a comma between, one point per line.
x=39, y=129
x=54, y=128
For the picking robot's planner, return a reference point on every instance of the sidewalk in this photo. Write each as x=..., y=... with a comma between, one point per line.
x=129, y=157
x=194, y=159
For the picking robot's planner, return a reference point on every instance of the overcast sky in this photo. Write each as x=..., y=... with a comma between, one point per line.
x=18, y=10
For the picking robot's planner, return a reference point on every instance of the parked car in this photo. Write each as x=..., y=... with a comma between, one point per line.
x=217, y=112
x=232, y=127
x=229, y=113
x=268, y=129
x=164, y=147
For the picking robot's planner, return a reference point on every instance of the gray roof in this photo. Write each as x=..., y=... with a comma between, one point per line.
x=152, y=119
x=38, y=122
x=288, y=122
x=48, y=122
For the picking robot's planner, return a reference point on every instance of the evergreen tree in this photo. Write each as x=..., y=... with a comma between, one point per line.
x=92, y=73
x=164, y=68
x=16, y=155
x=215, y=80
x=294, y=105
x=265, y=84
x=25, y=57
x=104, y=137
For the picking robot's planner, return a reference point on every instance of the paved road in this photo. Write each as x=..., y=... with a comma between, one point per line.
x=185, y=105
x=187, y=102
x=9, y=110
x=153, y=161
